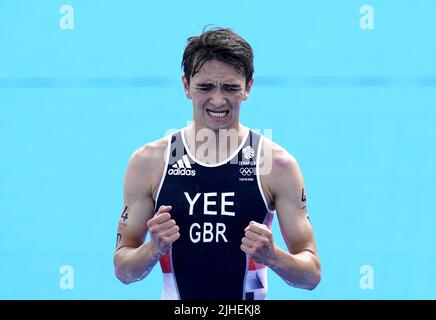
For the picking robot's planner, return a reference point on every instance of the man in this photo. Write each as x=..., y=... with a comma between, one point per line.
x=208, y=204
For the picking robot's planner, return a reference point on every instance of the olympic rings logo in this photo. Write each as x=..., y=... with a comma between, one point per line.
x=246, y=171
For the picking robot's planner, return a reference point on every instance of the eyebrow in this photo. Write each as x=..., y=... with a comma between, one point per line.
x=207, y=84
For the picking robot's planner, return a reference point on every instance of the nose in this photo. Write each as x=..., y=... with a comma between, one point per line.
x=217, y=99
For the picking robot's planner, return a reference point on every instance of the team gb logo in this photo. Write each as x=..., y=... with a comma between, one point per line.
x=248, y=152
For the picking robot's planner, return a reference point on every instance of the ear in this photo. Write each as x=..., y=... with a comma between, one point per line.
x=247, y=89
x=186, y=87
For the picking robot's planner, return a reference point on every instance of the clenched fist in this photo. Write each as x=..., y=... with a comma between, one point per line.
x=163, y=230
x=258, y=243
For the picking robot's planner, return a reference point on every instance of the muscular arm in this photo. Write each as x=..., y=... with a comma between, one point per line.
x=299, y=266
x=134, y=259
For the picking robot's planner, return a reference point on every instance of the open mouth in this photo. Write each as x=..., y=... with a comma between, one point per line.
x=217, y=114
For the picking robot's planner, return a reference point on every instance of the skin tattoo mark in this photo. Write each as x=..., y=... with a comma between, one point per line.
x=303, y=199
x=125, y=214
x=119, y=237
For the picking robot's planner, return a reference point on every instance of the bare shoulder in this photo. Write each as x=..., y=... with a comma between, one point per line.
x=150, y=153
x=281, y=159
x=146, y=165
x=284, y=171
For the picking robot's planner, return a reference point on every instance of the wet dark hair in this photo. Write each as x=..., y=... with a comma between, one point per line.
x=218, y=43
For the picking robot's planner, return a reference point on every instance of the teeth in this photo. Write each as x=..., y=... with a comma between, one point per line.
x=217, y=114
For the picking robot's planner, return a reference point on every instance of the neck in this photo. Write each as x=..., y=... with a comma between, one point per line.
x=212, y=146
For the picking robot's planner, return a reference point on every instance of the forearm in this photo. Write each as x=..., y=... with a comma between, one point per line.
x=134, y=264
x=301, y=270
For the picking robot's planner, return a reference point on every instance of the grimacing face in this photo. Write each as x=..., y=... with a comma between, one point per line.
x=217, y=91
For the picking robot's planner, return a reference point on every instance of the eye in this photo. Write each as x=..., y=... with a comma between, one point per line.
x=205, y=87
x=231, y=89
